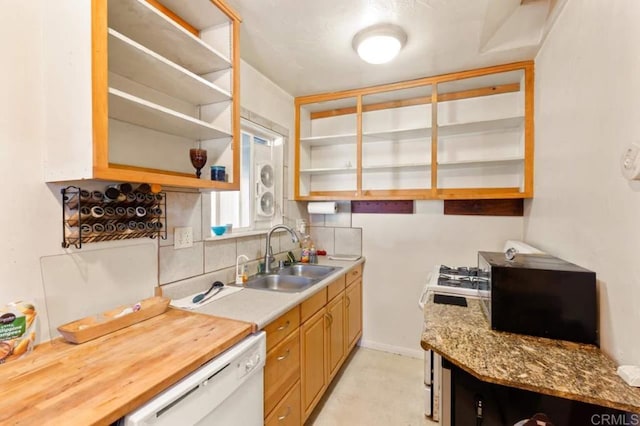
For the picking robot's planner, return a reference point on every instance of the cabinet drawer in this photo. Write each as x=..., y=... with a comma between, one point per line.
x=313, y=305
x=281, y=327
x=287, y=412
x=354, y=274
x=281, y=370
x=335, y=287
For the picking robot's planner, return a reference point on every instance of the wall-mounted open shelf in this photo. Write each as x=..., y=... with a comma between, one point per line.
x=464, y=135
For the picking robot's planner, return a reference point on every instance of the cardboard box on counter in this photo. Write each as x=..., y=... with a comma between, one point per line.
x=17, y=330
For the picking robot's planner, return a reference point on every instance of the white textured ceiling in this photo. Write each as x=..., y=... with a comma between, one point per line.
x=304, y=46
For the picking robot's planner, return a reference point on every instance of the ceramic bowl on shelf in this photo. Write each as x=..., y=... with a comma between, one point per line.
x=218, y=230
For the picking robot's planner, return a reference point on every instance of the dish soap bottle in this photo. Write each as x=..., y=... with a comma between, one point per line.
x=307, y=246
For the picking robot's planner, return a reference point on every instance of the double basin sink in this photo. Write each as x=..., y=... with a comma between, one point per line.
x=291, y=279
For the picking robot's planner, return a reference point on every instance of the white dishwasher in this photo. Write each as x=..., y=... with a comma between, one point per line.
x=228, y=390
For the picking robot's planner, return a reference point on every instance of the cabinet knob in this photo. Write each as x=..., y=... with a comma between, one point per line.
x=284, y=326
x=284, y=416
x=286, y=354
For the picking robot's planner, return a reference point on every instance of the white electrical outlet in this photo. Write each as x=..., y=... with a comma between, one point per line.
x=182, y=237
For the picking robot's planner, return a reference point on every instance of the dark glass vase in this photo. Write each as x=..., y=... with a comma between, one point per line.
x=198, y=159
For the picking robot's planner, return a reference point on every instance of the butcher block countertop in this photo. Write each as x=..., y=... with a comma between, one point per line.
x=99, y=381
x=553, y=367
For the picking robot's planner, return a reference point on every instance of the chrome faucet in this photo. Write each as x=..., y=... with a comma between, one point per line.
x=268, y=253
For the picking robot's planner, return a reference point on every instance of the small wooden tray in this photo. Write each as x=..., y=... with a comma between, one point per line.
x=95, y=326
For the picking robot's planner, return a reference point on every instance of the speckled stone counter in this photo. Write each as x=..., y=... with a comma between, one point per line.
x=553, y=367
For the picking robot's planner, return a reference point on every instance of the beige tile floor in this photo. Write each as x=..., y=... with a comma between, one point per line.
x=374, y=388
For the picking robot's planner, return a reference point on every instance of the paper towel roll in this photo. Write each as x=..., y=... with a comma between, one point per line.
x=325, y=207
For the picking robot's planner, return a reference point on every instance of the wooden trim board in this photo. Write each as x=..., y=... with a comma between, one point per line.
x=422, y=100
x=384, y=206
x=490, y=207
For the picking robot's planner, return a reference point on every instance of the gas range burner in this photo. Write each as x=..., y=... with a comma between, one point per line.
x=462, y=271
x=476, y=283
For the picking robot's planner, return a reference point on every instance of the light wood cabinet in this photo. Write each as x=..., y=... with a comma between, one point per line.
x=141, y=83
x=282, y=370
x=353, y=313
x=325, y=327
x=336, y=348
x=287, y=412
x=454, y=136
x=314, y=377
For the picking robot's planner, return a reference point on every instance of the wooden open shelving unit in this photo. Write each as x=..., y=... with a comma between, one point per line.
x=464, y=135
x=164, y=78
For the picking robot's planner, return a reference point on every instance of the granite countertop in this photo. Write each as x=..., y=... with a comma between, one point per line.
x=263, y=306
x=553, y=367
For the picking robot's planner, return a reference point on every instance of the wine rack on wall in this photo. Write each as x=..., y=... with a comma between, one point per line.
x=117, y=213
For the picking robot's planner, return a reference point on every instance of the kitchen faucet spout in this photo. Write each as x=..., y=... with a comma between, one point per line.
x=268, y=253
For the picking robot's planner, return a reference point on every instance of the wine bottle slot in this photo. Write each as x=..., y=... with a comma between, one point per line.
x=145, y=188
x=97, y=197
x=125, y=188
x=131, y=212
x=97, y=228
x=111, y=194
x=74, y=200
x=97, y=212
x=141, y=211
x=82, y=215
x=109, y=212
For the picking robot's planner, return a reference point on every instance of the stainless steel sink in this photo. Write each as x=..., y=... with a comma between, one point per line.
x=276, y=282
x=291, y=279
x=306, y=270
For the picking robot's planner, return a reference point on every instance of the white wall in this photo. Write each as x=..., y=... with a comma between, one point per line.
x=76, y=282
x=260, y=95
x=27, y=222
x=402, y=250
x=101, y=275
x=587, y=111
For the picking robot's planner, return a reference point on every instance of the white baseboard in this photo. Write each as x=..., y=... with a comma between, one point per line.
x=413, y=353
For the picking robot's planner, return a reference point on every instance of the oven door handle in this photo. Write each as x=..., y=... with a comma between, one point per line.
x=425, y=291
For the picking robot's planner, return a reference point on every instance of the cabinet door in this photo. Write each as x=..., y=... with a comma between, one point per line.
x=282, y=370
x=287, y=412
x=313, y=366
x=353, y=309
x=336, y=349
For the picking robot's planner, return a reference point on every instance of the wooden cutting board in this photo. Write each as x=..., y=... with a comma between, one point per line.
x=99, y=381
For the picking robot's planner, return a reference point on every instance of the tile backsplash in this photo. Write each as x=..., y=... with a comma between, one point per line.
x=337, y=240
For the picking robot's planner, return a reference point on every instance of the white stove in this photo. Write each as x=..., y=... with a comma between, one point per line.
x=458, y=281
x=470, y=282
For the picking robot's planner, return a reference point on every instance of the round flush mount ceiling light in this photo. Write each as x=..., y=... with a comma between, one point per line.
x=380, y=43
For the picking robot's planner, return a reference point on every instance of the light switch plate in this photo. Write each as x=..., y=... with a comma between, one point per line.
x=182, y=237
